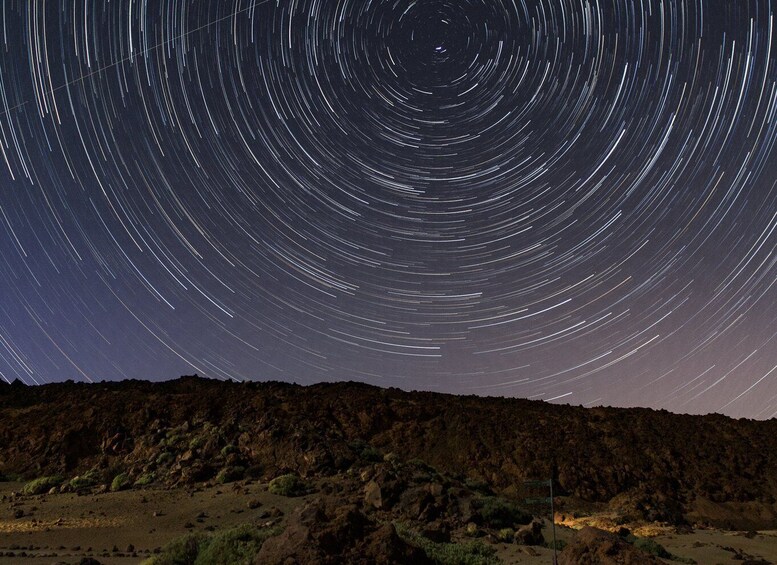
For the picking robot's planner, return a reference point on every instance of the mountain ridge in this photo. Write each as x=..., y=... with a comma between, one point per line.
x=642, y=463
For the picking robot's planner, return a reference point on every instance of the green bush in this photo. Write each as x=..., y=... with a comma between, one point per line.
x=121, y=482
x=145, y=479
x=180, y=551
x=652, y=547
x=230, y=474
x=89, y=479
x=42, y=485
x=506, y=535
x=229, y=449
x=196, y=442
x=236, y=546
x=165, y=458
x=501, y=513
x=469, y=553
x=288, y=485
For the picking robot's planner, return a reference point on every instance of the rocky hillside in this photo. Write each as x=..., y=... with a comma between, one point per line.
x=646, y=464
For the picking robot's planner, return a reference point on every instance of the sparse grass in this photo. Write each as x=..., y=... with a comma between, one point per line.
x=42, y=484
x=236, y=546
x=469, y=553
x=288, y=485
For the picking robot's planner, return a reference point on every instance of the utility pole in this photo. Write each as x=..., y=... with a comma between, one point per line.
x=553, y=521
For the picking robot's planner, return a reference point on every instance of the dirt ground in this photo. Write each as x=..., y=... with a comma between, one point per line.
x=125, y=527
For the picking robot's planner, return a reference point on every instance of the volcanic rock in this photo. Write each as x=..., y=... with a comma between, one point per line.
x=592, y=546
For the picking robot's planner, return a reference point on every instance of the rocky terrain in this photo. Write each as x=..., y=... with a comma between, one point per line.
x=382, y=472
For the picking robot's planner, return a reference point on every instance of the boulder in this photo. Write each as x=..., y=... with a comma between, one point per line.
x=530, y=534
x=592, y=546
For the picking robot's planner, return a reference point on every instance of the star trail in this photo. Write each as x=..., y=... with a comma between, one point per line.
x=567, y=200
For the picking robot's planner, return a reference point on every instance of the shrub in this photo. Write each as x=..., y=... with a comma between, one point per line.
x=501, y=513
x=196, y=442
x=42, y=485
x=506, y=535
x=121, y=482
x=469, y=553
x=145, y=479
x=287, y=485
x=236, y=546
x=180, y=551
x=88, y=479
x=650, y=546
x=229, y=449
x=654, y=548
x=165, y=458
x=230, y=474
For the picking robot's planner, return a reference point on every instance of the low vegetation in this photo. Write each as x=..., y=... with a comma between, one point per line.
x=85, y=481
x=288, y=485
x=236, y=546
x=468, y=553
x=654, y=548
x=121, y=482
x=499, y=513
x=230, y=474
x=42, y=484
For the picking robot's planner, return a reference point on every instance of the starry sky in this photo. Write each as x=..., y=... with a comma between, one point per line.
x=567, y=200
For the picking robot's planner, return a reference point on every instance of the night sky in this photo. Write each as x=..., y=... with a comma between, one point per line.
x=568, y=200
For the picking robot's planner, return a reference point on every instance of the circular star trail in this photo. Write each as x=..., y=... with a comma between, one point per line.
x=558, y=199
